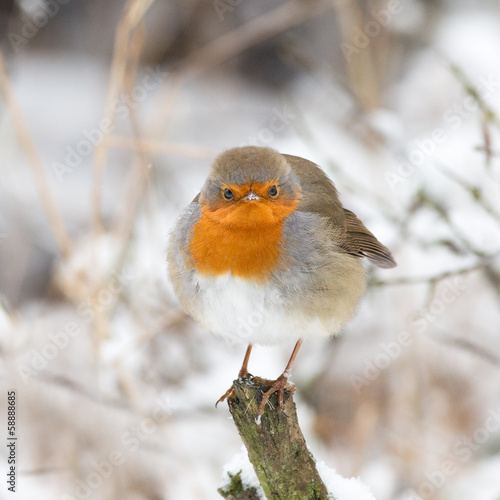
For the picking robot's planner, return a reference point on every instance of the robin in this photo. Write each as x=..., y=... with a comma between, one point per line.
x=266, y=253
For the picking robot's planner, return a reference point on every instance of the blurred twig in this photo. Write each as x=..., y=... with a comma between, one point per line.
x=467, y=345
x=487, y=148
x=361, y=66
x=68, y=384
x=139, y=173
x=54, y=216
x=134, y=13
x=474, y=191
x=469, y=87
x=433, y=279
x=424, y=199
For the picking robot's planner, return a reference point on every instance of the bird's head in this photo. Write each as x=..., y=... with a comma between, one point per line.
x=250, y=186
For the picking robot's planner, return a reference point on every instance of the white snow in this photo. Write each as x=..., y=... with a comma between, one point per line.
x=241, y=464
x=343, y=488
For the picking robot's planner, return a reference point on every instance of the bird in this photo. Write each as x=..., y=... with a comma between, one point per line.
x=266, y=253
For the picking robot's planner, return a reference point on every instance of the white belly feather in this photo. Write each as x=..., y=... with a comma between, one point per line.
x=244, y=312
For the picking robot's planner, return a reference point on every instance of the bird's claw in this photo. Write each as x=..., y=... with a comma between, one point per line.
x=279, y=385
x=229, y=394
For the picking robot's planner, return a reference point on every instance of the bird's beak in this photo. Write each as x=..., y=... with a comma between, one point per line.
x=251, y=196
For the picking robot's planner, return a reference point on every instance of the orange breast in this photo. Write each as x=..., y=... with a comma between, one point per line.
x=243, y=240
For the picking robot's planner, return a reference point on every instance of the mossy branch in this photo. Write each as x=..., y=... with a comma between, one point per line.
x=235, y=490
x=276, y=447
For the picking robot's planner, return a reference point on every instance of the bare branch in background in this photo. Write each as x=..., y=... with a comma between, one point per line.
x=471, y=347
x=436, y=278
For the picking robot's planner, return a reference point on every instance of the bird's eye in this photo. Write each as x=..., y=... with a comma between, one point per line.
x=273, y=191
x=228, y=194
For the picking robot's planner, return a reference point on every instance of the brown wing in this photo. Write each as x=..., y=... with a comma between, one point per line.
x=362, y=243
x=319, y=195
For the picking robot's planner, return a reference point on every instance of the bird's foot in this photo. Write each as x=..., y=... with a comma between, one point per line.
x=229, y=394
x=279, y=385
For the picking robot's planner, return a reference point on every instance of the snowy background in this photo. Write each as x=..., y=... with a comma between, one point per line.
x=110, y=114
